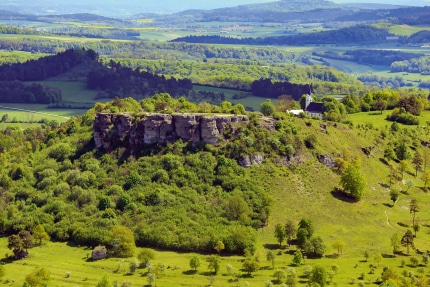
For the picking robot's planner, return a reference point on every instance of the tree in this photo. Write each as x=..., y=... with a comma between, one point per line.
x=402, y=151
x=306, y=223
x=16, y=244
x=366, y=255
x=267, y=108
x=145, y=256
x=339, y=245
x=219, y=246
x=39, y=277
x=416, y=227
x=298, y=258
x=40, y=234
x=378, y=258
x=389, y=153
x=395, y=242
x=403, y=167
x=214, y=263
x=280, y=233
x=27, y=239
x=271, y=257
x=315, y=246
x=250, y=265
x=195, y=262
x=302, y=237
x=291, y=277
x=236, y=208
x=352, y=180
x=319, y=276
x=279, y=275
x=408, y=240
x=290, y=230
x=151, y=278
x=123, y=243
x=417, y=161
x=425, y=178
x=413, y=209
x=394, y=196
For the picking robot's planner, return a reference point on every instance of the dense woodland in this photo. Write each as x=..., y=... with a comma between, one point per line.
x=46, y=67
x=349, y=35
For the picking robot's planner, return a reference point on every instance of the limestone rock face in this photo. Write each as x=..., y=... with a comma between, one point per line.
x=113, y=130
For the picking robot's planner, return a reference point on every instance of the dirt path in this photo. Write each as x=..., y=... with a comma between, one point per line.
x=388, y=221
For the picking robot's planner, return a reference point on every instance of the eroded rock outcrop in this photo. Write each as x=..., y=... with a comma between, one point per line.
x=131, y=131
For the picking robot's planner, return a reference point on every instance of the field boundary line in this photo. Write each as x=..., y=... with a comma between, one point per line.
x=35, y=112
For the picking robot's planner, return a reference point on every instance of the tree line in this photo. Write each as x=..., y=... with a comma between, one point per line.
x=46, y=67
x=18, y=92
x=349, y=35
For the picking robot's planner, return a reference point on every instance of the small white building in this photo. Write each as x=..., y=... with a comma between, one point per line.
x=313, y=109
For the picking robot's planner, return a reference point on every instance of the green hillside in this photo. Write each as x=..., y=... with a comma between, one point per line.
x=184, y=198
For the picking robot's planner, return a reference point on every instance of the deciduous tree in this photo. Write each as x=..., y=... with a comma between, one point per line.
x=290, y=230
x=250, y=265
x=352, y=180
x=395, y=242
x=413, y=209
x=219, y=246
x=339, y=245
x=40, y=234
x=122, y=239
x=39, y=277
x=319, y=276
x=417, y=161
x=408, y=240
x=280, y=233
x=298, y=258
x=214, y=263
x=145, y=256
x=270, y=256
x=195, y=262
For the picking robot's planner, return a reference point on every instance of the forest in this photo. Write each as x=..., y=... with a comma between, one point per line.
x=349, y=35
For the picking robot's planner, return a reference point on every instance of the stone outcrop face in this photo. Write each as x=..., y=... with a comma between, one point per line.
x=126, y=130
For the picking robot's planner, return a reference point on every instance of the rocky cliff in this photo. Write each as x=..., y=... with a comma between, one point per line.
x=134, y=131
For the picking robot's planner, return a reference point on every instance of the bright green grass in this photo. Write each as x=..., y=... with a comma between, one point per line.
x=406, y=30
x=73, y=91
x=377, y=120
x=373, y=118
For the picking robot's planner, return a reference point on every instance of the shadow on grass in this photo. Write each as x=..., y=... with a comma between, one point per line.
x=384, y=161
x=385, y=255
x=388, y=205
x=207, y=273
x=384, y=185
x=425, y=189
x=341, y=195
x=274, y=246
x=333, y=256
x=189, y=272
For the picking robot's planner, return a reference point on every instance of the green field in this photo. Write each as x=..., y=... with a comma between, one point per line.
x=406, y=30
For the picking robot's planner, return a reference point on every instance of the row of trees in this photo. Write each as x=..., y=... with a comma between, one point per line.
x=46, y=67
x=18, y=92
x=349, y=35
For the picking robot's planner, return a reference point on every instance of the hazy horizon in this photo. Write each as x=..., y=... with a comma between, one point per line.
x=130, y=7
